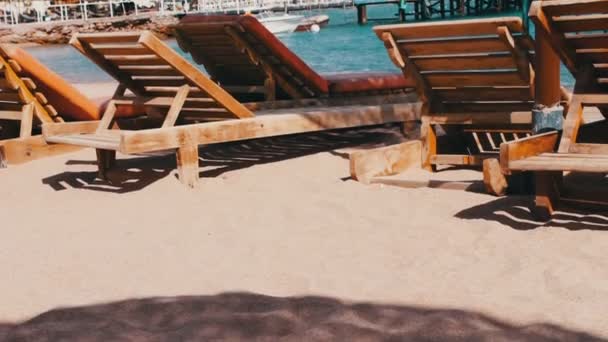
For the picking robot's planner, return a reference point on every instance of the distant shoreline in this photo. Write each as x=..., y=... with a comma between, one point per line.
x=51, y=33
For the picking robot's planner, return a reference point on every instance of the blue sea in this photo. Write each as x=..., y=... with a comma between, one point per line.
x=342, y=46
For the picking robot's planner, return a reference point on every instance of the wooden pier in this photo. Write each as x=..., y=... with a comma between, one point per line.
x=427, y=9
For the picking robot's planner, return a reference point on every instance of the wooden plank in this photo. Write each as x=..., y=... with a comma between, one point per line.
x=484, y=94
x=450, y=29
x=524, y=148
x=11, y=115
x=520, y=57
x=121, y=49
x=382, y=161
x=194, y=75
x=546, y=163
x=486, y=107
x=151, y=70
x=136, y=60
x=290, y=122
x=459, y=159
x=589, y=148
x=575, y=23
x=475, y=45
x=474, y=79
x=86, y=140
x=23, y=150
x=104, y=38
x=76, y=127
x=588, y=41
x=481, y=118
x=467, y=62
x=160, y=81
x=6, y=96
x=574, y=7
x=107, y=117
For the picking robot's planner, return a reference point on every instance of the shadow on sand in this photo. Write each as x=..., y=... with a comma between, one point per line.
x=135, y=173
x=248, y=317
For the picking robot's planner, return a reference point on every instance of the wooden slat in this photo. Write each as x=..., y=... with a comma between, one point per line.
x=588, y=41
x=481, y=118
x=160, y=82
x=176, y=106
x=121, y=49
x=589, y=149
x=574, y=7
x=474, y=79
x=452, y=46
x=451, y=29
x=116, y=37
x=136, y=60
x=556, y=162
x=10, y=114
x=593, y=22
x=480, y=107
x=467, y=62
x=164, y=70
x=484, y=94
x=6, y=96
x=87, y=140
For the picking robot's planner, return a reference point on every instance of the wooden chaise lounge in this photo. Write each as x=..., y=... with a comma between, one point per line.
x=577, y=32
x=168, y=90
x=249, y=62
x=476, y=80
x=30, y=95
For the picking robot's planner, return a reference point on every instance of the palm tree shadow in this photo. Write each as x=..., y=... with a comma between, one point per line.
x=133, y=174
x=253, y=317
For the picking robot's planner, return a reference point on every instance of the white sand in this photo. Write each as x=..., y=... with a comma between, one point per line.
x=290, y=227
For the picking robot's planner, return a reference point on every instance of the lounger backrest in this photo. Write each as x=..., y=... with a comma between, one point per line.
x=238, y=50
x=17, y=91
x=465, y=65
x=149, y=68
x=578, y=32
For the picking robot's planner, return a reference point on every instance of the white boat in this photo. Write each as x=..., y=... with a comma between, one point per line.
x=279, y=23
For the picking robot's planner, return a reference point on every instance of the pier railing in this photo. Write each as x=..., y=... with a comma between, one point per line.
x=17, y=12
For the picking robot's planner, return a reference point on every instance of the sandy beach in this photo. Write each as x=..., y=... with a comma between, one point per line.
x=280, y=217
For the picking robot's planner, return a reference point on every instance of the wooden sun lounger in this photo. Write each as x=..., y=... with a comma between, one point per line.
x=476, y=80
x=171, y=90
x=252, y=64
x=21, y=107
x=577, y=32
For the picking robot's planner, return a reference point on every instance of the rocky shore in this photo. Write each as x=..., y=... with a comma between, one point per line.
x=60, y=32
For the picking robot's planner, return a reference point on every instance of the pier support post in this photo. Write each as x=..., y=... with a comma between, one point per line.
x=362, y=14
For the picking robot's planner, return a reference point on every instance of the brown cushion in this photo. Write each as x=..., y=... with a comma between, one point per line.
x=67, y=100
x=367, y=81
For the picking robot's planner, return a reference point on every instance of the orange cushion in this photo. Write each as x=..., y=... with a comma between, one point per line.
x=67, y=100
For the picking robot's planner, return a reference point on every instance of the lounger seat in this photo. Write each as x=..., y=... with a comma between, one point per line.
x=349, y=83
x=240, y=54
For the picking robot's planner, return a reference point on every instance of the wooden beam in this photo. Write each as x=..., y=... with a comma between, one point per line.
x=26, y=121
x=23, y=150
x=298, y=120
x=76, y=127
x=176, y=106
x=520, y=57
x=383, y=161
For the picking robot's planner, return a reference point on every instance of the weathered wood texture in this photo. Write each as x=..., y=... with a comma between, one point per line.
x=23, y=150
x=493, y=179
x=478, y=68
x=573, y=30
x=383, y=161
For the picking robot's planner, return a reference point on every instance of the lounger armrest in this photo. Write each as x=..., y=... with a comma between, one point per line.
x=77, y=127
x=527, y=147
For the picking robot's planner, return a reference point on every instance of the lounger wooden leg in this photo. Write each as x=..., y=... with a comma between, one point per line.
x=429, y=144
x=547, y=185
x=105, y=161
x=187, y=164
x=3, y=162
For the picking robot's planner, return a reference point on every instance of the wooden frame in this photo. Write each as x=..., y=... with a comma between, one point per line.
x=571, y=30
x=110, y=51
x=21, y=101
x=473, y=74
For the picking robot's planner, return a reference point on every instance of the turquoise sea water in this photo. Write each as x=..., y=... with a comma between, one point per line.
x=342, y=46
